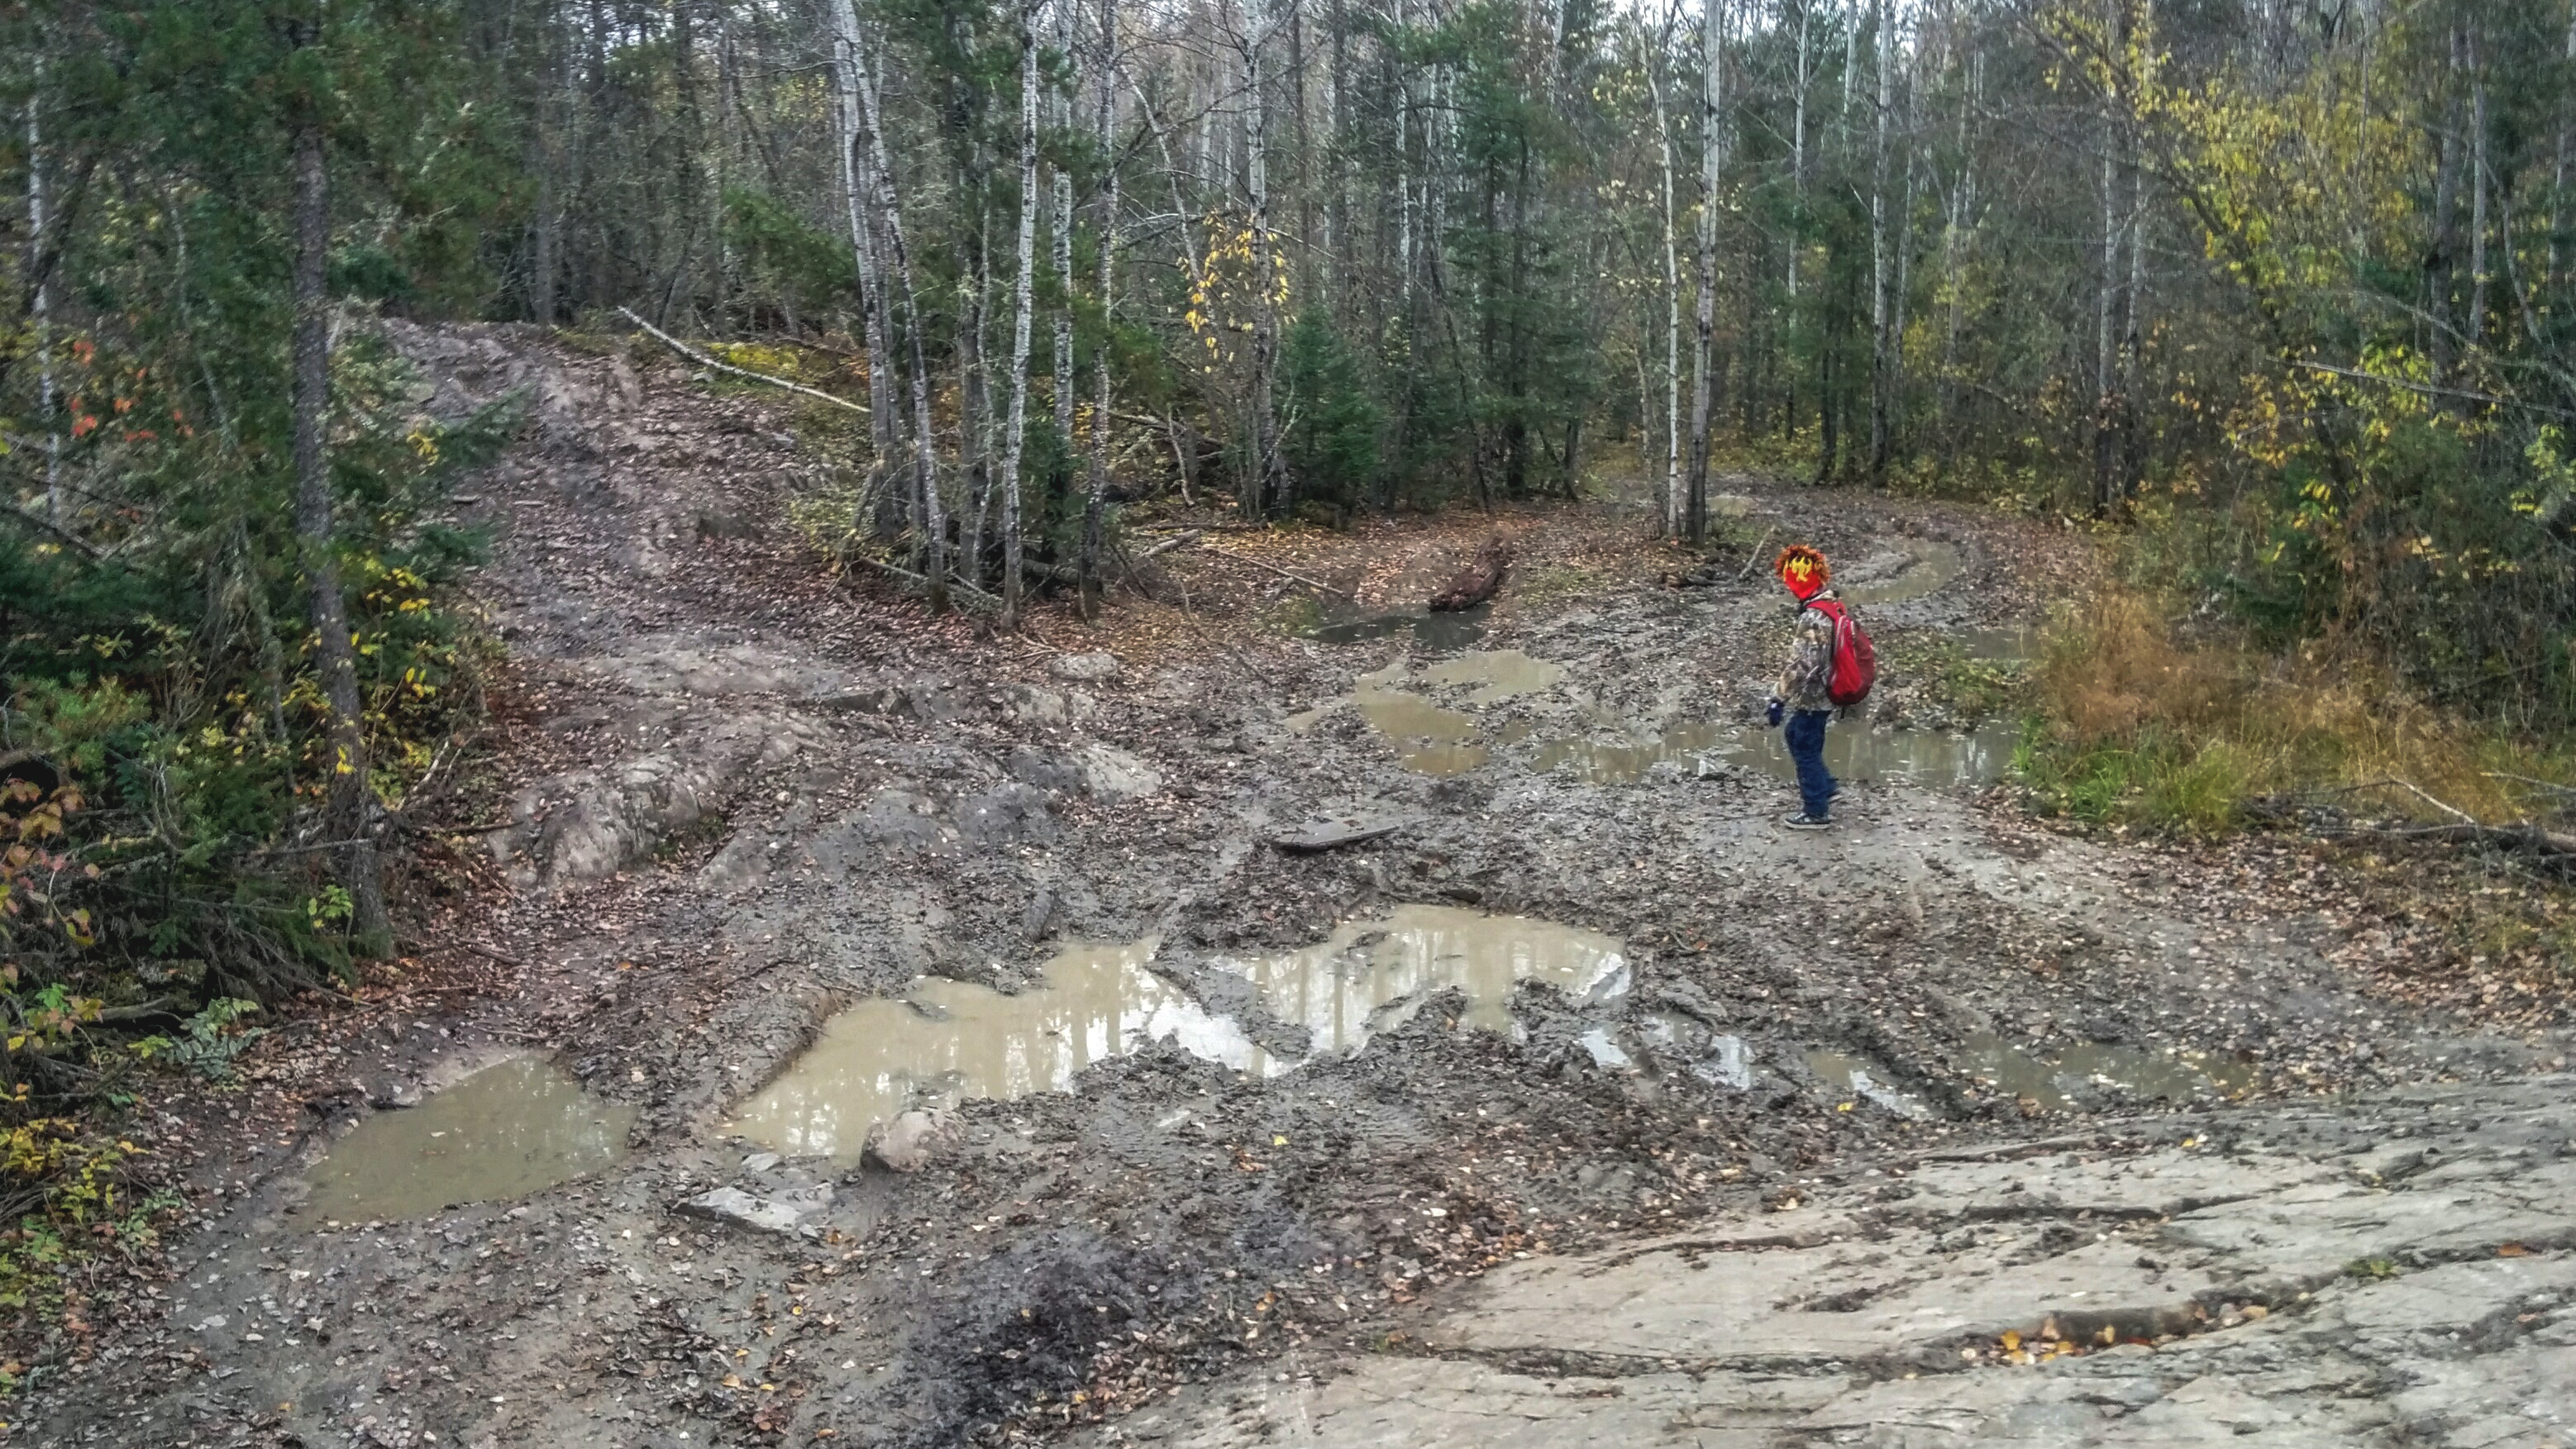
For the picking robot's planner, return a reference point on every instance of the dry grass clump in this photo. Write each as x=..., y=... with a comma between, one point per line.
x=2137, y=727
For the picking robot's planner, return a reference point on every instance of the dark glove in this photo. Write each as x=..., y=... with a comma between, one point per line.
x=1771, y=712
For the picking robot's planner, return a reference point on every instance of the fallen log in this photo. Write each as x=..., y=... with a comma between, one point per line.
x=702, y=360
x=1478, y=581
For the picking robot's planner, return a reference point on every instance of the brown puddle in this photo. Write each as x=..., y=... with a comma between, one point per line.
x=1500, y=674
x=1931, y=565
x=949, y=1040
x=1438, y=632
x=1372, y=976
x=2075, y=1078
x=1429, y=739
x=1862, y=1079
x=511, y=1129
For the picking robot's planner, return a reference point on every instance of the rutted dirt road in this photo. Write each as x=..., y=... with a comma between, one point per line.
x=742, y=797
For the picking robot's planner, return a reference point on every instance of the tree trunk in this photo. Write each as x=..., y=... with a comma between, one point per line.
x=1653, y=63
x=41, y=305
x=875, y=336
x=2559, y=176
x=344, y=816
x=2478, y=125
x=1015, y=425
x=1712, y=167
x=974, y=402
x=933, y=520
x=1268, y=487
x=2442, y=259
x=2133, y=443
x=1106, y=135
x=1798, y=154
x=1061, y=219
x=1881, y=349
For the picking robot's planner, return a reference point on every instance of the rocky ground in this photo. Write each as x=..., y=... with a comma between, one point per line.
x=733, y=792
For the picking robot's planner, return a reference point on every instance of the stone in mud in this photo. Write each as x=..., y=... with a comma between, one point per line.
x=1009, y=812
x=1028, y=704
x=783, y=1212
x=1113, y=774
x=1317, y=835
x=1044, y=770
x=587, y=824
x=1084, y=668
x=901, y=818
x=1040, y=915
x=907, y=1143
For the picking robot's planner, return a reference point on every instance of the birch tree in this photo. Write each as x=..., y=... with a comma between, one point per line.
x=1105, y=134
x=1015, y=426
x=1712, y=175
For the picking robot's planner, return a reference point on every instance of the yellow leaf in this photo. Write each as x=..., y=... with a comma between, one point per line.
x=2012, y=1340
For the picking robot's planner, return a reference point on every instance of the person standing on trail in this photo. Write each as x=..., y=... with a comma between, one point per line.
x=1806, y=697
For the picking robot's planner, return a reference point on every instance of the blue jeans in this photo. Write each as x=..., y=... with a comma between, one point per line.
x=1805, y=733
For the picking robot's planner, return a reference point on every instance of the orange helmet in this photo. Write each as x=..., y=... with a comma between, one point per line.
x=1802, y=570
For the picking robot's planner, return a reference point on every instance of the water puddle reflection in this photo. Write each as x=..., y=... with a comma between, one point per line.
x=1431, y=739
x=2079, y=1078
x=1370, y=977
x=514, y=1128
x=1713, y=1057
x=1864, y=1080
x=947, y=1040
x=1499, y=674
x=1439, y=633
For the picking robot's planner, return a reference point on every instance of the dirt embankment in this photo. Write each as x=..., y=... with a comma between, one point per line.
x=735, y=795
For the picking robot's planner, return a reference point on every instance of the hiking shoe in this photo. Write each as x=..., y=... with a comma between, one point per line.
x=1804, y=821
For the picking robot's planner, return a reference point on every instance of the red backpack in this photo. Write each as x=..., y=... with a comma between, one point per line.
x=1855, y=658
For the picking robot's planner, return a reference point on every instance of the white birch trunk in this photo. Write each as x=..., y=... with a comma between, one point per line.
x=1672, y=490
x=1265, y=487
x=2478, y=125
x=1022, y=295
x=1880, y=271
x=42, y=307
x=932, y=519
x=1704, y=341
x=850, y=124
x=1106, y=133
x=1063, y=225
x=1798, y=149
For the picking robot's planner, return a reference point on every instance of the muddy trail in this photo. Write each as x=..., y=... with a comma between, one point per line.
x=839, y=1025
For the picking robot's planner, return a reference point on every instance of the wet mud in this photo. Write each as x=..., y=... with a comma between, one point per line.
x=781, y=855
x=514, y=1128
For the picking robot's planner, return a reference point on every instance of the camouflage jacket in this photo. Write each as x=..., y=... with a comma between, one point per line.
x=1810, y=671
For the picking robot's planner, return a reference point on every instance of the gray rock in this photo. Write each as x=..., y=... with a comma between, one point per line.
x=1798, y=1326
x=1084, y=668
x=783, y=1212
x=908, y=1143
x=1007, y=813
x=760, y=1162
x=1046, y=771
x=1113, y=774
x=900, y=818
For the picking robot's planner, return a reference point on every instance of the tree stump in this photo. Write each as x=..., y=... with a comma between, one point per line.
x=1477, y=582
